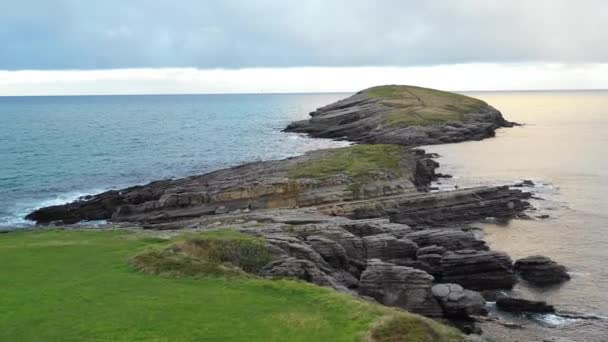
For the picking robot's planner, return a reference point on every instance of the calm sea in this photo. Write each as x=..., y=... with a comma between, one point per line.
x=562, y=148
x=54, y=149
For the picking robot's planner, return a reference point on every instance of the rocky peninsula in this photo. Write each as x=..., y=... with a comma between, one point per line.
x=362, y=219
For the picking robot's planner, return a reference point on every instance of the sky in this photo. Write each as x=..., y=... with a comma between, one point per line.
x=192, y=46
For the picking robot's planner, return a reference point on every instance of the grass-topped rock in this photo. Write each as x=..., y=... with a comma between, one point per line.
x=222, y=252
x=404, y=115
x=315, y=178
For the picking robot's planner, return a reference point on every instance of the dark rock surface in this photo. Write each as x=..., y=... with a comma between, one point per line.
x=478, y=270
x=400, y=286
x=523, y=305
x=403, y=115
x=540, y=270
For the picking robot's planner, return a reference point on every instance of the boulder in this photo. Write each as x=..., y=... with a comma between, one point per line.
x=400, y=286
x=477, y=270
x=540, y=270
x=457, y=301
x=511, y=304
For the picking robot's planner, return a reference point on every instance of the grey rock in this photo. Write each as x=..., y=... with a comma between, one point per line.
x=387, y=247
x=477, y=270
x=399, y=286
x=457, y=301
x=449, y=239
x=540, y=270
x=301, y=269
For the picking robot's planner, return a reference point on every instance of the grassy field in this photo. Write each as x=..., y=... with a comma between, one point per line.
x=416, y=106
x=79, y=286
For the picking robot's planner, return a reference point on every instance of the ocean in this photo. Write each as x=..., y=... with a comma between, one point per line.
x=58, y=148
x=55, y=149
x=561, y=147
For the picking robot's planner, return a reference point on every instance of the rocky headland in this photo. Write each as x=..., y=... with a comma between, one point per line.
x=362, y=219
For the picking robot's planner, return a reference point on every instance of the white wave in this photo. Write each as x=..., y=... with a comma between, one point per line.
x=16, y=218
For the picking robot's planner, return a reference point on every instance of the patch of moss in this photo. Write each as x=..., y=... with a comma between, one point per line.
x=222, y=252
x=416, y=106
x=358, y=162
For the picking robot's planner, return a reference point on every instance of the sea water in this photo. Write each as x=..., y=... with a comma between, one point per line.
x=56, y=149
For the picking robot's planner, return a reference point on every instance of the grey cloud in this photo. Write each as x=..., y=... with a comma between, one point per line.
x=70, y=34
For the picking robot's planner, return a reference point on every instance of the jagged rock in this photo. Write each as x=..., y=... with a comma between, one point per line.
x=457, y=301
x=523, y=305
x=540, y=270
x=301, y=269
x=477, y=270
x=298, y=249
x=450, y=239
x=388, y=247
x=400, y=286
x=331, y=251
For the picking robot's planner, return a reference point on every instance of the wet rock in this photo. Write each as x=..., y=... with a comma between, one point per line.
x=510, y=304
x=399, y=286
x=477, y=270
x=540, y=270
x=457, y=301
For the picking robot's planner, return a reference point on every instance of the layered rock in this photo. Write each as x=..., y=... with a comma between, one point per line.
x=400, y=286
x=478, y=270
x=319, y=177
x=540, y=270
x=404, y=115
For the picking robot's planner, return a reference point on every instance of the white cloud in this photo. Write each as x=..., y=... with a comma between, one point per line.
x=476, y=76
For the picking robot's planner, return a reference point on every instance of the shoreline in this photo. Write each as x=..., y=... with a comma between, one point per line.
x=358, y=215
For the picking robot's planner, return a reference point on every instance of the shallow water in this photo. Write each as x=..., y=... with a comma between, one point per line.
x=55, y=149
x=562, y=148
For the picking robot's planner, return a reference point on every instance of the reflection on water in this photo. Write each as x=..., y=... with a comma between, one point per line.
x=562, y=147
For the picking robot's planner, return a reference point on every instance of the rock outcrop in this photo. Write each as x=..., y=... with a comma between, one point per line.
x=400, y=286
x=478, y=270
x=403, y=115
x=540, y=270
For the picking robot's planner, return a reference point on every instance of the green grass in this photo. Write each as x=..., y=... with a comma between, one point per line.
x=358, y=162
x=222, y=252
x=416, y=106
x=78, y=286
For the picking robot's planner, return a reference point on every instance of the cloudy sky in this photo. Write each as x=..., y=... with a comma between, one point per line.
x=146, y=46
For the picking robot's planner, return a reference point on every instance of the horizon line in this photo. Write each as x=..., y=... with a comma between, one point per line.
x=302, y=93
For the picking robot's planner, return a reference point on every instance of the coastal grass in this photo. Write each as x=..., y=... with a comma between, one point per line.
x=75, y=285
x=222, y=252
x=360, y=162
x=416, y=106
